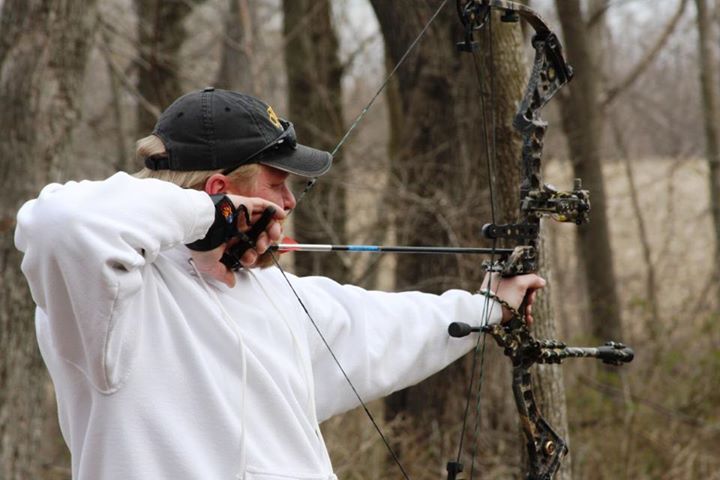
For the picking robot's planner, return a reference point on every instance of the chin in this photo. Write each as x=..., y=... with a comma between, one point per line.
x=265, y=261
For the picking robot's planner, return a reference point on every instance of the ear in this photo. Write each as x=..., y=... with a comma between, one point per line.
x=217, y=183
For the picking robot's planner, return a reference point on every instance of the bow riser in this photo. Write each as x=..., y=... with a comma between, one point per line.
x=550, y=72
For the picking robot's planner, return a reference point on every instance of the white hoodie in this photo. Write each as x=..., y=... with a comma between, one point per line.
x=162, y=374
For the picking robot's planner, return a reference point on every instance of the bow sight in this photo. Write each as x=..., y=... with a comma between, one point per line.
x=566, y=207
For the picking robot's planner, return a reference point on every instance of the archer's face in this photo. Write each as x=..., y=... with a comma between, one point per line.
x=271, y=184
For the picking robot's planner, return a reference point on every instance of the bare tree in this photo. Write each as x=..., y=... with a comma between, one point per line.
x=633, y=74
x=161, y=33
x=651, y=285
x=429, y=182
x=315, y=100
x=237, y=57
x=44, y=47
x=583, y=139
x=711, y=118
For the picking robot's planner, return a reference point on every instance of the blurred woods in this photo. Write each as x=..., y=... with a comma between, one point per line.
x=81, y=80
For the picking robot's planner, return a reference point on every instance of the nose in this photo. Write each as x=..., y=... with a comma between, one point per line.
x=288, y=198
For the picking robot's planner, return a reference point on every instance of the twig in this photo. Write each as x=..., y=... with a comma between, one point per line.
x=128, y=84
x=618, y=393
x=612, y=93
x=650, y=283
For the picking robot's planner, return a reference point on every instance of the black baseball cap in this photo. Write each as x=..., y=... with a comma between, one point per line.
x=214, y=129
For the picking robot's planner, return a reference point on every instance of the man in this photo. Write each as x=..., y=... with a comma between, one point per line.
x=167, y=363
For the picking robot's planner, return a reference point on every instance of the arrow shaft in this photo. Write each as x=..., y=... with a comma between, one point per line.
x=306, y=247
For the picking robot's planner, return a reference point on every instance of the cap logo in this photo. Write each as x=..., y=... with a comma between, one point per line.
x=274, y=118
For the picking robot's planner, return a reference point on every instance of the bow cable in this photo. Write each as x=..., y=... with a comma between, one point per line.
x=491, y=182
x=490, y=144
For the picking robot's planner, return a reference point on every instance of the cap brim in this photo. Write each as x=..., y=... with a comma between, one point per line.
x=304, y=161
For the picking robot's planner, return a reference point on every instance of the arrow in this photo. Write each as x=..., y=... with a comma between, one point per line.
x=307, y=247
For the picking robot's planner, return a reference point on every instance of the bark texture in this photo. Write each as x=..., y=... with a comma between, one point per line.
x=315, y=104
x=438, y=183
x=43, y=51
x=237, y=57
x=548, y=380
x=161, y=33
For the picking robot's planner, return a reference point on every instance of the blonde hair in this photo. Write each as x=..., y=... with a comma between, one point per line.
x=152, y=146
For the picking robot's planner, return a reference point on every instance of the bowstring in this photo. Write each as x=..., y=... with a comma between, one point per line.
x=307, y=188
x=493, y=209
x=490, y=151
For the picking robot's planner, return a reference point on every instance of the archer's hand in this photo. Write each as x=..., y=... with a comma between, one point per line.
x=514, y=290
x=272, y=234
x=208, y=263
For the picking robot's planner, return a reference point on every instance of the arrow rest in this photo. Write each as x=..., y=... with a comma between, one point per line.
x=521, y=261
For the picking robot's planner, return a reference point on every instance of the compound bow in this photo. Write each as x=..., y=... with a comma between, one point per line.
x=550, y=72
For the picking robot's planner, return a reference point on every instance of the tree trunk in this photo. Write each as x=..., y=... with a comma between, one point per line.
x=236, y=60
x=161, y=33
x=598, y=35
x=315, y=104
x=43, y=50
x=711, y=118
x=582, y=124
x=548, y=380
x=653, y=324
x=428, y=193
x=124, y=161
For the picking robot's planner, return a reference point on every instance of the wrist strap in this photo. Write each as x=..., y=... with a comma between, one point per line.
x=223, y=228
x=492, y=296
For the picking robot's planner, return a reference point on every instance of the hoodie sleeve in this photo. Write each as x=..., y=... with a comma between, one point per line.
x=86, y=246
x=384, y=341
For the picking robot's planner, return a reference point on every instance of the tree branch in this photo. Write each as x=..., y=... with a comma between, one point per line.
x=126, y=82
x=613, y=92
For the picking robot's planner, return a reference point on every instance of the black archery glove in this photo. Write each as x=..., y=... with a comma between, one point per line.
x=223, y=228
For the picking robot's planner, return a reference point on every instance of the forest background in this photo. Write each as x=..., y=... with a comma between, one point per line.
x=81, y=80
